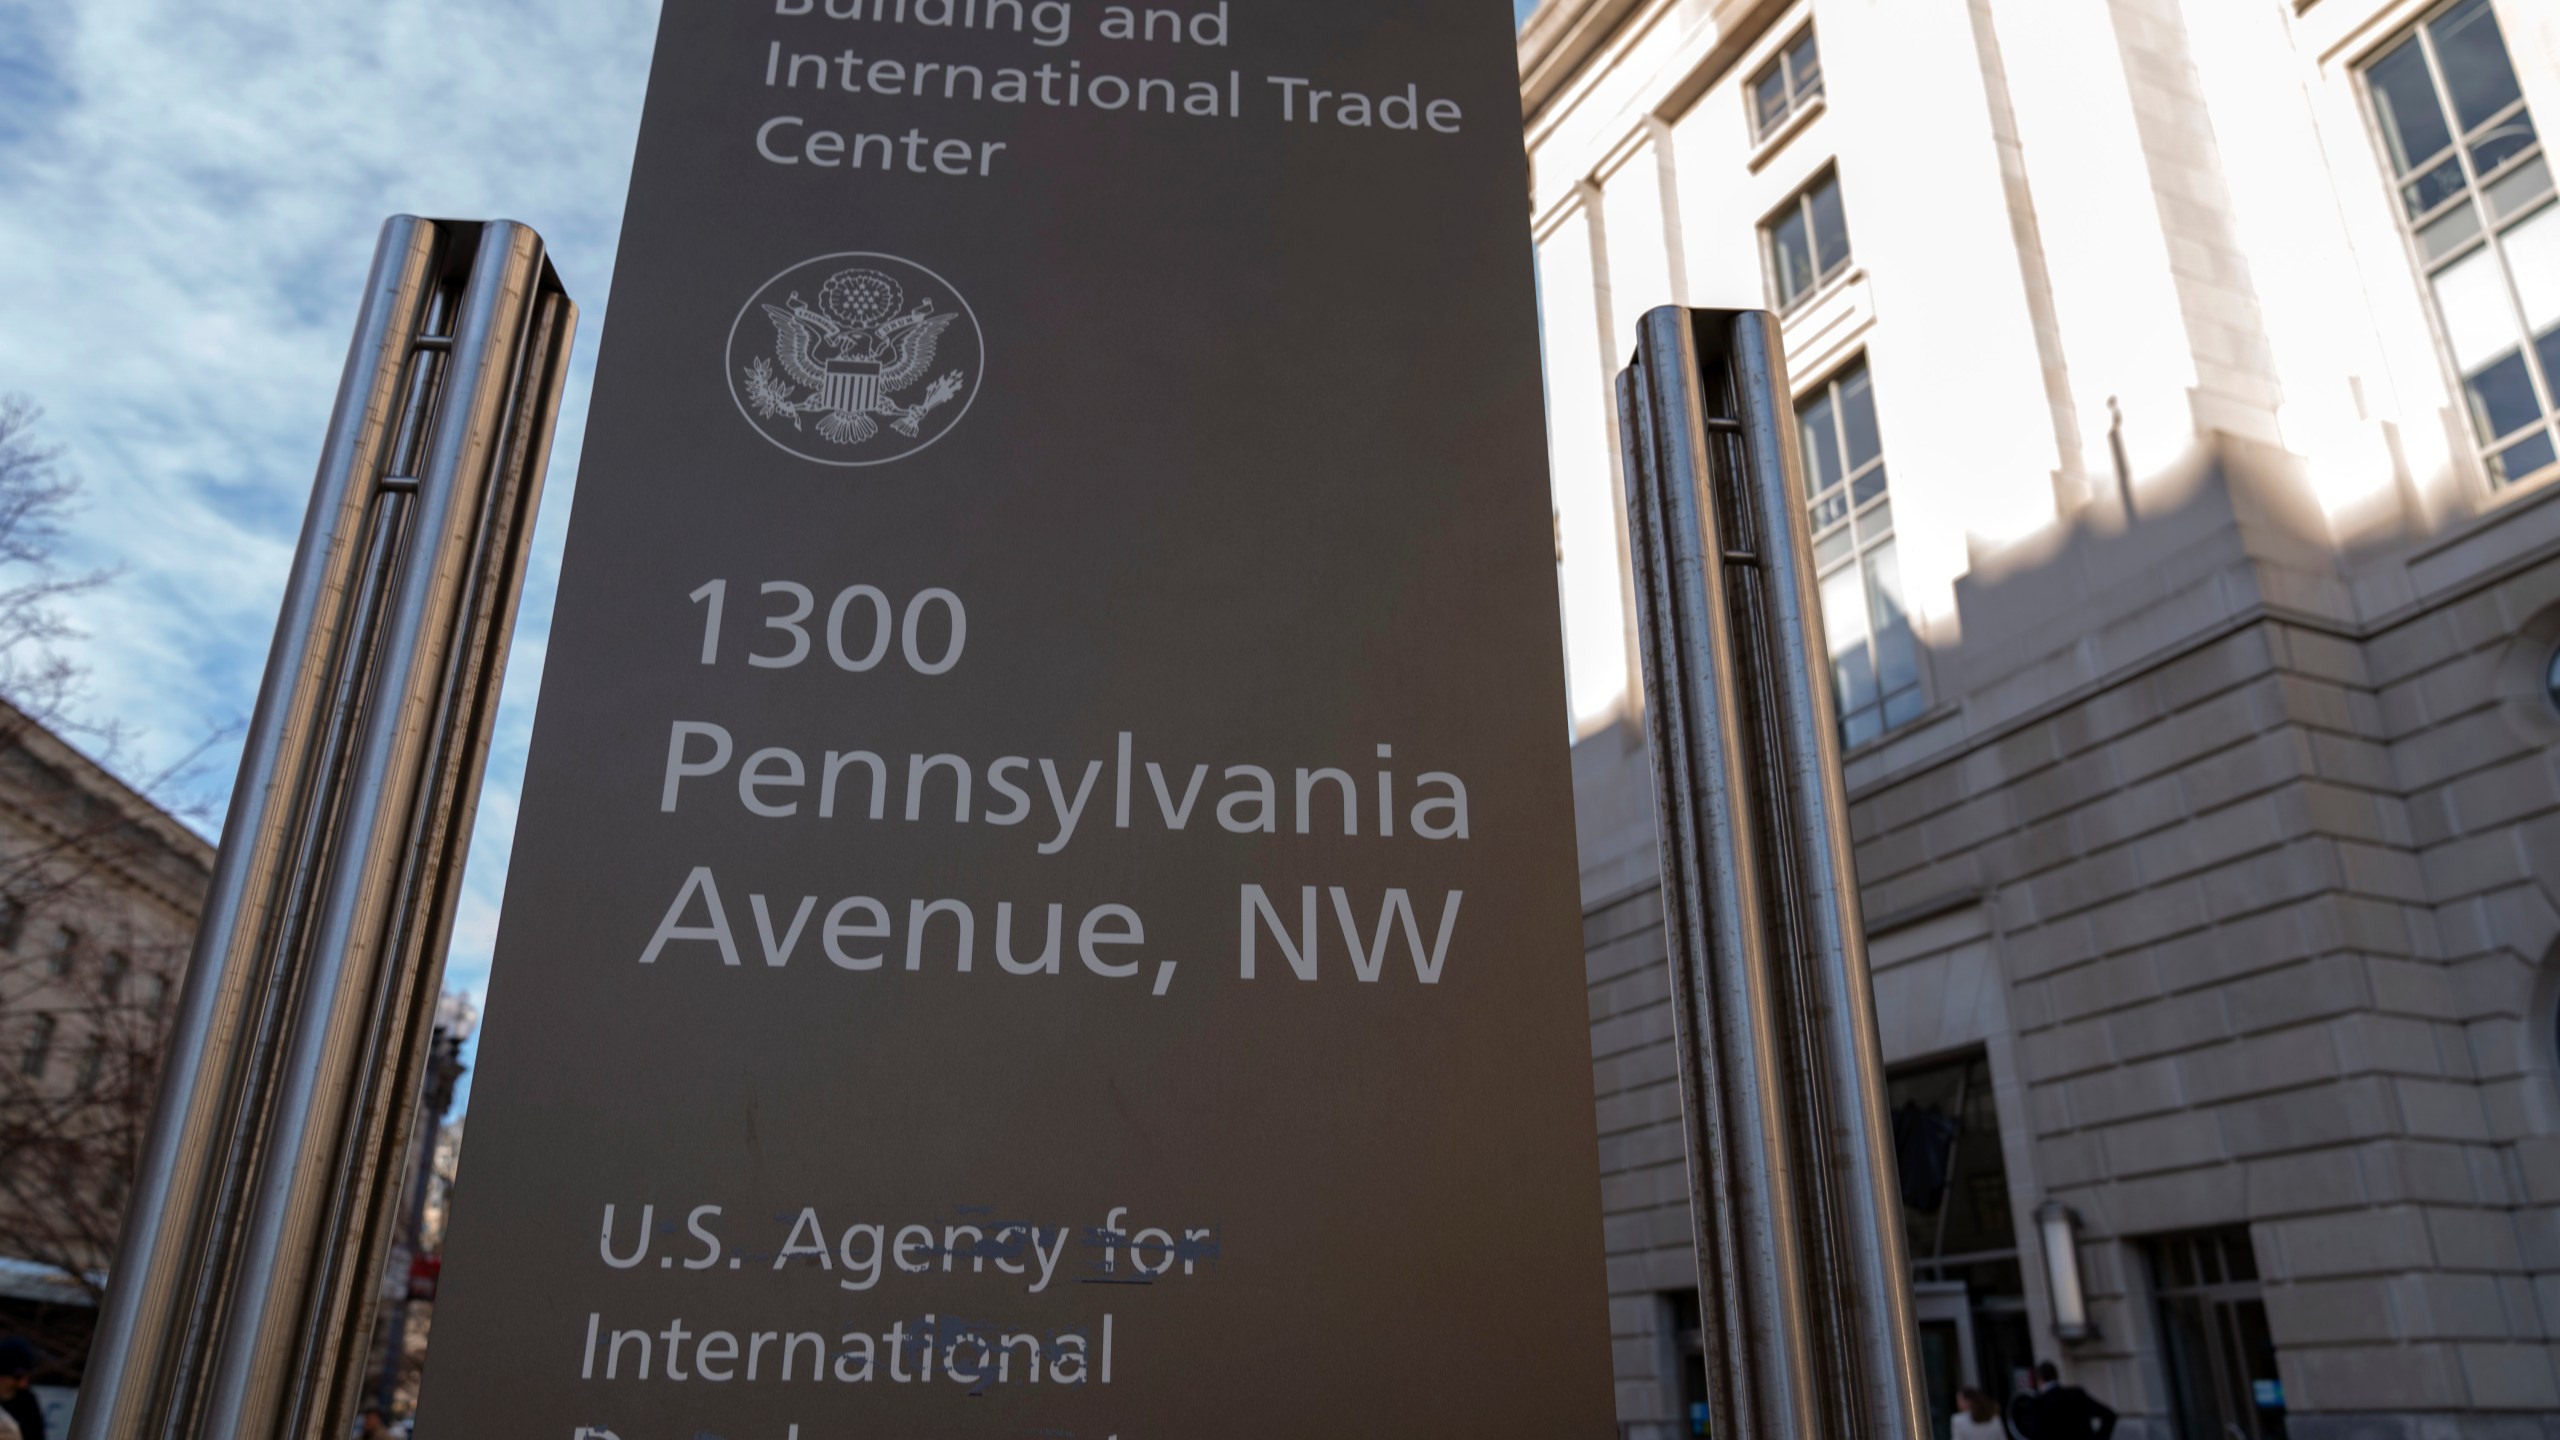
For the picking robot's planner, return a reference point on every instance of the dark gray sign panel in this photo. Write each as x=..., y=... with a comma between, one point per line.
x=1044, y=901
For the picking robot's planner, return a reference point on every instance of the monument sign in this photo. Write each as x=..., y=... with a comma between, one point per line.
x=1044, y=902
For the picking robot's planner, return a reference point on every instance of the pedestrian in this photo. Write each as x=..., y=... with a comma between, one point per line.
x=17, y=1389
x=1977, y=1417
x=369, y=1425
x=2065, y=1412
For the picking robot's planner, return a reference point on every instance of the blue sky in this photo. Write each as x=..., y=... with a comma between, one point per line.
x=189, y=193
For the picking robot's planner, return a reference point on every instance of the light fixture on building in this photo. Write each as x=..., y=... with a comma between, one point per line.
x=2062, y=1272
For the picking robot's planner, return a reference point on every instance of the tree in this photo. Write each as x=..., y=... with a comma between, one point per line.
x=99, y=895
x=36, y=497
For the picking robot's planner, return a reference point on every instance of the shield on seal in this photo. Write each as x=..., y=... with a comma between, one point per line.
x=853, y=387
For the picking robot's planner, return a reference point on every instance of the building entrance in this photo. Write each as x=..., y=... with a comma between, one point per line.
x=1962, y=1235
x=1947, y=1360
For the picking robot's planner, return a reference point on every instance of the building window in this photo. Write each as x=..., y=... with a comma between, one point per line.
x=1968, y=1292
x=57, y=960
x=39, y=1052
x=111, y=979
x=2213, y=1330
x=93, y=1064
x=1807, y=241
x=1875, y=663
x=1786, y=85
x=13, y=921
x=2475, y=194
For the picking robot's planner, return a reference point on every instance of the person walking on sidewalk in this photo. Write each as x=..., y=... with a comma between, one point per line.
x=2061, y=1412
x=1977, y=1417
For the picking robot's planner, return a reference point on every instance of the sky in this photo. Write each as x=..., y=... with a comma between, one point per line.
x=189, y=196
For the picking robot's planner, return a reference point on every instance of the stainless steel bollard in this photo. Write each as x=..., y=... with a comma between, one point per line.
x=242, y=1294
x=1802, y=1280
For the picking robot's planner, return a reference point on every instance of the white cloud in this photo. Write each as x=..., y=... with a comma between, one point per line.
x=189, y=193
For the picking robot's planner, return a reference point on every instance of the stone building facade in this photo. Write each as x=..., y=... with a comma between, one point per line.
x=2177, y=391
x=100, y=890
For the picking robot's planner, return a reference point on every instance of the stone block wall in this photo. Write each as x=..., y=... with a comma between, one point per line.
x=2257, y=926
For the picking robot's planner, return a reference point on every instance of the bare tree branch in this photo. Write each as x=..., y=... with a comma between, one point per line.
x=36, y=497
x=99, y=894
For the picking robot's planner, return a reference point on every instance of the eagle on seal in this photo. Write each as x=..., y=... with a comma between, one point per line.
x=854, y=351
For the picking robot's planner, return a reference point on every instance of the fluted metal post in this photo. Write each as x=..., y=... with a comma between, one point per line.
x=1803, y=1286
x=240, y=1301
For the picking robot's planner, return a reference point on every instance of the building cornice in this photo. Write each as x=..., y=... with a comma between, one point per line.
x=1570, y=46
x=67, y=760
x=122, y=808
x=1560, y=39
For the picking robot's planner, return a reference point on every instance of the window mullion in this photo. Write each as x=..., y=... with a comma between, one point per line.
x=1812, y=255
x=2434, y=268
x=2524, y=325
x=1857, y=543
x=1848, y=507
x=1812, y=237
x=2503, y=116
x=1840, y=432
x=2443, y=103
x=2444, y=108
